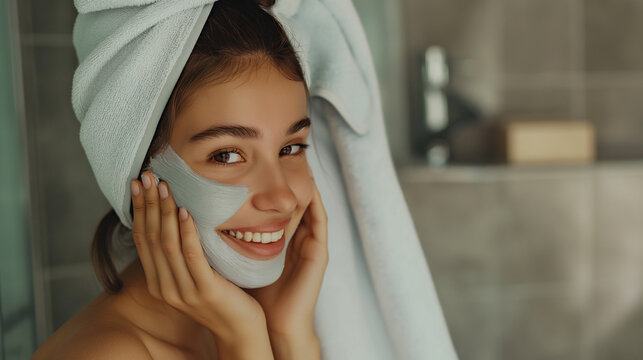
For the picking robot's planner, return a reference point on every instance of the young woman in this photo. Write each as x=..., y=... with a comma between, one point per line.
x=237, y=115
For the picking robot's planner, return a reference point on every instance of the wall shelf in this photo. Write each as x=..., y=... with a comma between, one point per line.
x=494, y=172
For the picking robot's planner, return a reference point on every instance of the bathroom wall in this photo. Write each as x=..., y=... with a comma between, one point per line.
x=569, y=59
x=546, y=262
x=66, y=201
x=535, y=263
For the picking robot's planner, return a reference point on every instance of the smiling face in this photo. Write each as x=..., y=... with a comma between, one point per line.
x=250, y=131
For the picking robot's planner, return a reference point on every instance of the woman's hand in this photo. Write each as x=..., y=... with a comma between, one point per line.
x=289, y=303
x=177, y=272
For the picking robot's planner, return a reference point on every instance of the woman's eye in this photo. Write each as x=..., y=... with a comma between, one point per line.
x=233, y=156
x=294, y=149
x=226, y=157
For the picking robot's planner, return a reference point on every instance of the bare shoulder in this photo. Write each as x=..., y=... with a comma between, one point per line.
x=92, y=335
x=109, y=343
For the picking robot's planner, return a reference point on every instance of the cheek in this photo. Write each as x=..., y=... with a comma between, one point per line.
x=302, y=186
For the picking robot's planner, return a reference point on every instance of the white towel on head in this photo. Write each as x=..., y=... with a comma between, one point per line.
x=378, y=300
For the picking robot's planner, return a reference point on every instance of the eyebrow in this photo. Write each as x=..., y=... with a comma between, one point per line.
x=244, y=131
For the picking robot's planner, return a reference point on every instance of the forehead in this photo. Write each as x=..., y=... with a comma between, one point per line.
x=261, y=98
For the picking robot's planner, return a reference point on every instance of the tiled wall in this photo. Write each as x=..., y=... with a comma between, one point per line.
x=577, y=59
x=66, y=201
x=542, y=264
x=535, y=264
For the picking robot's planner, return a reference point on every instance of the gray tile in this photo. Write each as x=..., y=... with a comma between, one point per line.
x=617, y=320
x=546, y=224
x=70, y=295
x=617, y=298
x=618, y=254
x=552, y=102
x=617, y=114
x=54, y=70
x=456, y=223
x=455, y=24
x=71, y=200
x=70, y=233
x=537, y=36
x=613, y=35
x=52, y=17
x=540, y=327
x=473, y=326
x=24, y=16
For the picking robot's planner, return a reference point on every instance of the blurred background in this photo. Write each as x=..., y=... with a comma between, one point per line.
x=516, y=128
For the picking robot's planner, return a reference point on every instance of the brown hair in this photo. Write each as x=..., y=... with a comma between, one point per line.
x=238, y=36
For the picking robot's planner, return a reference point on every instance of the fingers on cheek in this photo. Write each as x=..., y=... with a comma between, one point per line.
x=310, y=192
x=140, y=239
x=310, y=200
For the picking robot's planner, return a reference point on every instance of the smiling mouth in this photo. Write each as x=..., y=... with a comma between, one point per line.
x=259, y=246
x=255, y=237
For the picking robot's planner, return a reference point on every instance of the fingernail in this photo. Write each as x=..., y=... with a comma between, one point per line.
x=135, y=190
x=163, y=190
x=183, y=214
x=146, y=181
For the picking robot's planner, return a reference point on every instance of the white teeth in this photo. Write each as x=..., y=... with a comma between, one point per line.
x=257, y=237
x=277, y=235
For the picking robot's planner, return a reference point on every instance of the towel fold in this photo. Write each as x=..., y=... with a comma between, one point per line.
x=131, y=53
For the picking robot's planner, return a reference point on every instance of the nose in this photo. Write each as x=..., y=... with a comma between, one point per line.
x=272, y=191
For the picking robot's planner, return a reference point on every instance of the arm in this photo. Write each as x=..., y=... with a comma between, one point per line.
x=302, y=346
x=247, y=346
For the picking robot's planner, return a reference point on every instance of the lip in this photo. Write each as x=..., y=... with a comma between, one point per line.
x=270, y=227
x=259, y=251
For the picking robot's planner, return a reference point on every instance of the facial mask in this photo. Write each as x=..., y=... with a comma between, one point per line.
x=212, y=203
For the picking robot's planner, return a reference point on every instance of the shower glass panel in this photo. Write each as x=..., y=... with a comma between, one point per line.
x=17, y=325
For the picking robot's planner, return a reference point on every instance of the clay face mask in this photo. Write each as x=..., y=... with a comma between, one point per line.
x=212, y=203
